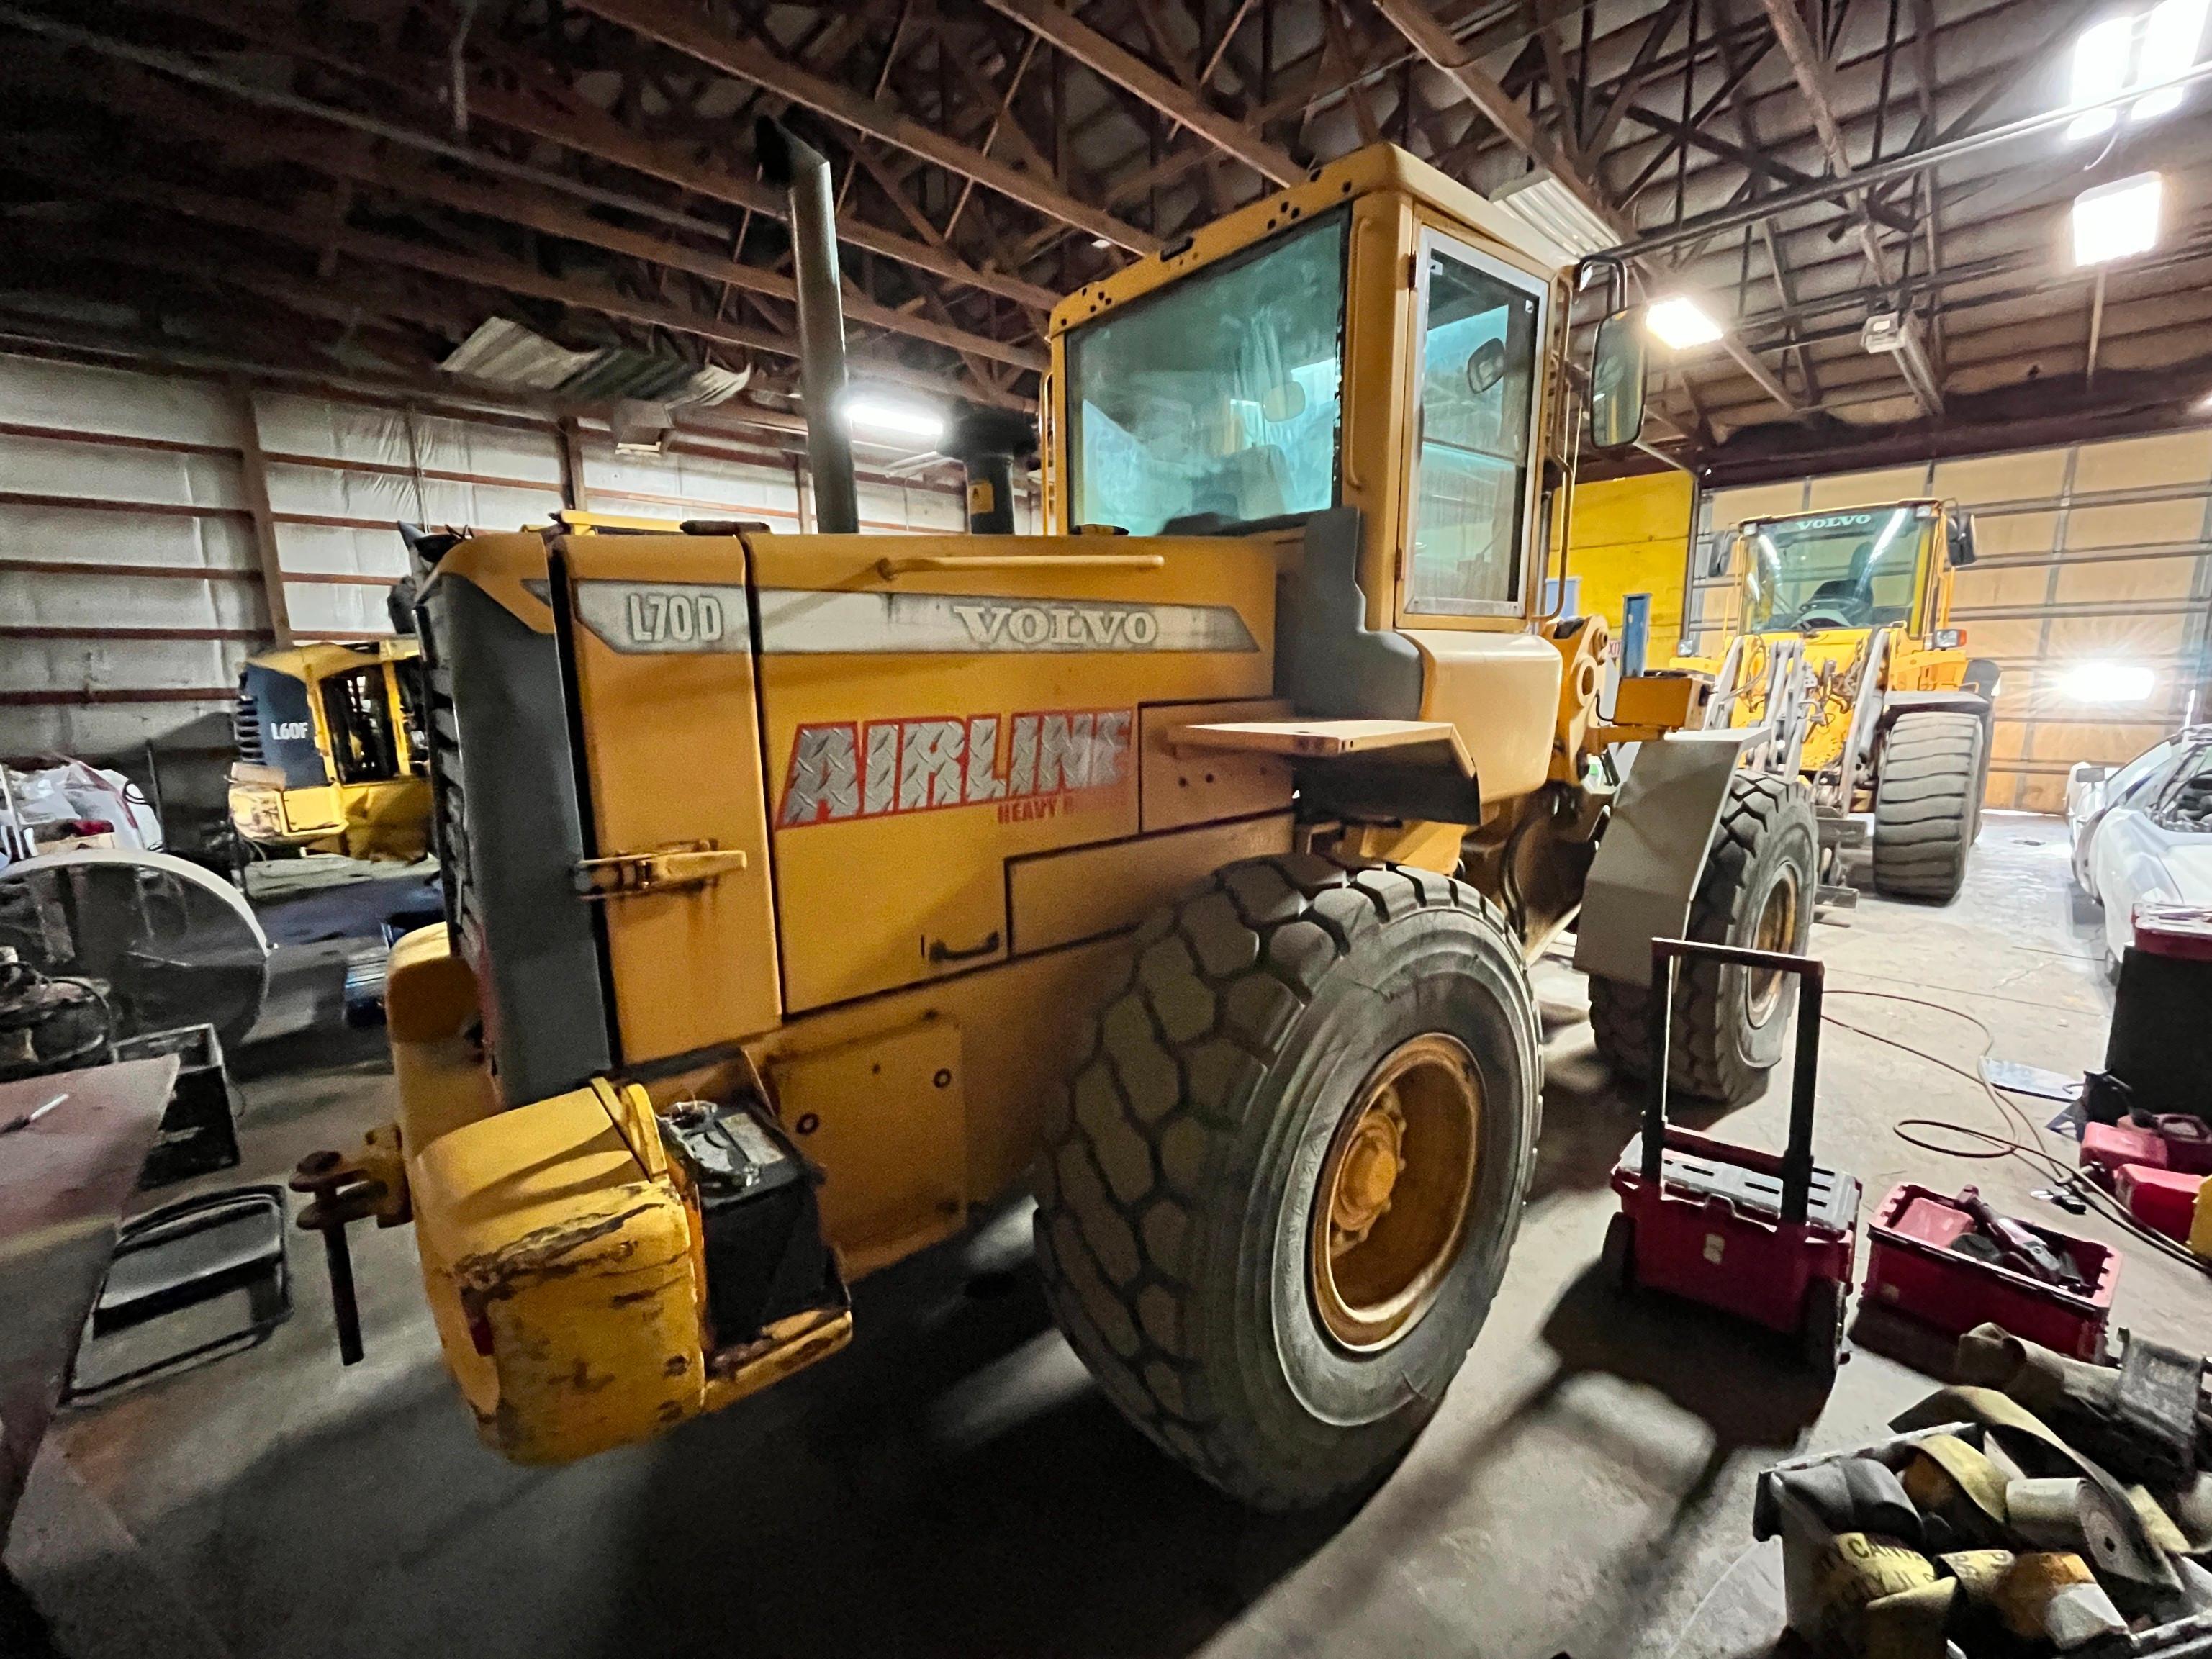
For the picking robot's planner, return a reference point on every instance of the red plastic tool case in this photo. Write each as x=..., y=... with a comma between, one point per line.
x=2107, y=1148
x=1912, y=1270
x=2164, y=1200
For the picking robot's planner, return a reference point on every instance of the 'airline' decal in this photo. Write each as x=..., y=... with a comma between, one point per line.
x=1029, y=766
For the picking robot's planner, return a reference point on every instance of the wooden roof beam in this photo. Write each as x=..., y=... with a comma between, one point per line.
x=751, y=60
x=1112, y=62
x=1808, y=65
x=1429, y=36
x=544, y=109
x=504, y=276
x=339, y=158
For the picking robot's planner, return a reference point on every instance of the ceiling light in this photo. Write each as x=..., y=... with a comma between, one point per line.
x=1679, y=323
x=1540, y=200
x=2145, y=52
x=2118, y=221
x=2169, y=51
x=2107, y=682
x=868, y=412
x=2101, y=56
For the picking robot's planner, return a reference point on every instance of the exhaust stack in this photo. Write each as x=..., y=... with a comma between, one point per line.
x=988, y=441
x=803, y=174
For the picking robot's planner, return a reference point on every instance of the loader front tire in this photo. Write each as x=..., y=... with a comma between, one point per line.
x=1928, y=803
x=1275, y=1198
x=1758, y=890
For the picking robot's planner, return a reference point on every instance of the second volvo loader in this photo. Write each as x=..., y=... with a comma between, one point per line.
x=1844, y=655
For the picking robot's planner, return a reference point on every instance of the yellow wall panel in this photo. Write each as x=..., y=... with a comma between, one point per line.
x=2001, y=535
x=1977, y=478
x=1632, y=536
x=2121, y=740
x=1732, y=507
x=1894, y=484
x=2136, y=523
x=1983, y=584
x=2174, y=458
x=2007, y=640
x=2116, y=639
x=2110, y=580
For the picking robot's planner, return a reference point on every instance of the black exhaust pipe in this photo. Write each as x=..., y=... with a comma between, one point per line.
x=988, y=441
x=802, y=173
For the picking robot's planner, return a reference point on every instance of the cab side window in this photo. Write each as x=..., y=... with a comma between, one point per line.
x=1471, y=466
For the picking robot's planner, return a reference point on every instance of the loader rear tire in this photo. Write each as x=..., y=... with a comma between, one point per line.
x=1205, y=1224
x=1928, y=803
x=1758, y=890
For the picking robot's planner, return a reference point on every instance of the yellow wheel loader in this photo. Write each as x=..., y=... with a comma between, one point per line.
x=1845, y=661
x=1185, y=861
x=331, y=750
x=331, y=754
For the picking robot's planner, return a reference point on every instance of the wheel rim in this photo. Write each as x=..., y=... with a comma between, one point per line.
x=1391, y=1210
x=1777, y=931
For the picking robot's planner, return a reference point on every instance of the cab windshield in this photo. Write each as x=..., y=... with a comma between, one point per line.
x=1219, y=396
x=1859, y=569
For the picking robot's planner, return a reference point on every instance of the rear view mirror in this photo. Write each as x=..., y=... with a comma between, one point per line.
x=1962, y=541
x=1619, y=371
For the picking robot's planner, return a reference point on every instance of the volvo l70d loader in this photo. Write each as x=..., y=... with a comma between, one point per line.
x=1844, y=653
x=1184, y=860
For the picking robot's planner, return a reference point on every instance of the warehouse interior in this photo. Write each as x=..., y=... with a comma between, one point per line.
x=1106, y=827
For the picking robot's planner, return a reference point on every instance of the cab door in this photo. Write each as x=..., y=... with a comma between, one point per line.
x=656, y=643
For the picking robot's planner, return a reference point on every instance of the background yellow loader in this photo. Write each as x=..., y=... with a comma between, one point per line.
x=331, y=750
x=1843, y=652
x=806, y=892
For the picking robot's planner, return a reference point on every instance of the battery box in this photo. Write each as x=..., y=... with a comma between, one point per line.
x=765, y=1257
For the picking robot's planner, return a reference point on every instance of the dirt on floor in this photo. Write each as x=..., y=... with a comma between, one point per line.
x=954, y=1485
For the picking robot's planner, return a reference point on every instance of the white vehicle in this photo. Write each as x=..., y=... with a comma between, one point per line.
x=2144, y=831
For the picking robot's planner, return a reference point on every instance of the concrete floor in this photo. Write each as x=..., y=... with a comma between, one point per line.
x=953, y=1484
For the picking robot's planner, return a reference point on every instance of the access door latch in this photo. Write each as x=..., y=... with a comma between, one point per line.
x=664, y=870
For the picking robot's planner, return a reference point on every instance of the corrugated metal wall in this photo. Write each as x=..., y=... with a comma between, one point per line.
x=2091, y=553
x=143, y=516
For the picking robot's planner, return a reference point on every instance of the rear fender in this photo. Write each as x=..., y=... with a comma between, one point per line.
x=1653, y=848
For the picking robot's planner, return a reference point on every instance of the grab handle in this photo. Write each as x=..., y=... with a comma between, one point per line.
x=891, y=569
x=1812, y=977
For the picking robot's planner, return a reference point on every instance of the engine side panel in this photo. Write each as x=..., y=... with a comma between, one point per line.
x=925, y=725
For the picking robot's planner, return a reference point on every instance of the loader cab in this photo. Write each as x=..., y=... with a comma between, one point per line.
x=331, y=752
x=1379, y=337
x=1852, y=570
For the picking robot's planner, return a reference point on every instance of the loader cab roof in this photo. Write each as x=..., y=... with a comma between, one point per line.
x=1379, y=169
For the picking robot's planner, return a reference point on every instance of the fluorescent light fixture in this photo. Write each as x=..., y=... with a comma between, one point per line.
x=1540, y=200
x=1679, y=323
x=2144, y=52
x=2171, y=33
x=2101, y=58
x=867, y=412
x=2107, y=682
x=2118, y=221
